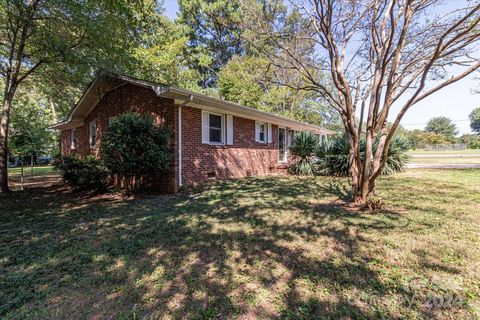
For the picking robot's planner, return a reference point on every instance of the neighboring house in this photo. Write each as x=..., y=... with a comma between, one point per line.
x=213, y=138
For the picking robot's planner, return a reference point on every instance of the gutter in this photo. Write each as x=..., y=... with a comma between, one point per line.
x=180, y=179
x=201, y=98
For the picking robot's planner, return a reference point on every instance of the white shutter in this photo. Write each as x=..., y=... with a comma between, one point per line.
x=205, y=127
x=229, y=129
x=257, y=131
x=269, y=135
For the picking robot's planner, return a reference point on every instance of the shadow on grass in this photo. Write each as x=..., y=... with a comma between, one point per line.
x=243, y=248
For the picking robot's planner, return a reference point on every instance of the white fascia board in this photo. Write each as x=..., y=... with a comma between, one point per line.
x=217, y=105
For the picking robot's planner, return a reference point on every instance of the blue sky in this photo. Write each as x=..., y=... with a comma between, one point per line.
x=455, y=102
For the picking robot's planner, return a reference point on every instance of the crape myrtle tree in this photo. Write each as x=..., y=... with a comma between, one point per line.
x=376, y=54
x=38, y=34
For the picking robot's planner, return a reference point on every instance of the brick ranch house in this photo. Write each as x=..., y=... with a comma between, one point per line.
x=213, y=138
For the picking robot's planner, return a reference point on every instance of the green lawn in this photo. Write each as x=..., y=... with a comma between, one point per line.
x=466, y=151
x=469, y=156
x=445, y=160
x=277, y=247
x=27, y=171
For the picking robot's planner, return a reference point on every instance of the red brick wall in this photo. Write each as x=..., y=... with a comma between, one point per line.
x=200, y=162
x=118, y=101
x=244, y=158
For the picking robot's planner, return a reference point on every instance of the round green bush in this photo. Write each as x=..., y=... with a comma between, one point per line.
x=134, y=147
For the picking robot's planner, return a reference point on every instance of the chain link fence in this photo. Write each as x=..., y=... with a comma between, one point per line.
x=444, y=147
x=29, y=170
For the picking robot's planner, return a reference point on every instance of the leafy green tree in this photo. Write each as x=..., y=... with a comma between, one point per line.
x=134, y=147
x=41, y=35
x=442, y=126
x=471, y=140
x=475, y=120
x=215, y=34
x=29, y=128
x=164, y=56
x=253, y=82
x=243, y=80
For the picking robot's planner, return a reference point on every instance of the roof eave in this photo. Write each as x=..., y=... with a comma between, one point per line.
x=178, y=93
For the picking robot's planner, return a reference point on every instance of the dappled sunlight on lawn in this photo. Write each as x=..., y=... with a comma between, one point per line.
x=254, y=248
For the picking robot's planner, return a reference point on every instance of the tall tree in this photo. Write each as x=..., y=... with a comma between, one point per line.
x=215, y=34
x=38, y=34
x=163, y=55
x=475, y=120
x=443, y=126
x=252, y=81
x=377, y=54
x=29, y=132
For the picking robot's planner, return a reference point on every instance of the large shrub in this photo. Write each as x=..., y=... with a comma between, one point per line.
x=303, y=148
x=333, y=156
x=84, y=174
x=134, y=147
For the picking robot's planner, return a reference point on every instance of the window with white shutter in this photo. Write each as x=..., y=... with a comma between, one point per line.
x=269, y=134
x=261, y=132
x=73, y=139
x=213, y=128
x=229, y=130
x=92, y=134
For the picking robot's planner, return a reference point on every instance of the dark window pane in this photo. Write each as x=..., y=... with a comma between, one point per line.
x=215, y=135
x=262, y=136
x=215, y=121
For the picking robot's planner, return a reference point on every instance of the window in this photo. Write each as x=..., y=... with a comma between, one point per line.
x=217, y=128
x=215, y=125
x=92, y=133
x=263, y=132
x=73, y=139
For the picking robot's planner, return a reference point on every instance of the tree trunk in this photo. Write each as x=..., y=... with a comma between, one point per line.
x=54, y=111
x=354, y=165
x=7, y=103
x=367, y=166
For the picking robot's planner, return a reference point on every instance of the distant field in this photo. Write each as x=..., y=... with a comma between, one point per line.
x=469, y=156
x=466, y=151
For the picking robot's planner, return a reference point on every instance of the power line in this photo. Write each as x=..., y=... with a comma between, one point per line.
x=419, y=124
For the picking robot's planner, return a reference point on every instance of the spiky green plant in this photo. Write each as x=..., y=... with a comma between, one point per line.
x=333, y=156
x=303, y=148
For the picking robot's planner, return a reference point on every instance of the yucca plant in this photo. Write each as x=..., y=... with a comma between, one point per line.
x=397, y=157
x=333, y=156
x=303, y=148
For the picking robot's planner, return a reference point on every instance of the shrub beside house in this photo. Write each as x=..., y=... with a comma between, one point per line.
x=211, y=138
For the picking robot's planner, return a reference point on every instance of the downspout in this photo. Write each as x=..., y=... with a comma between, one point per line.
x=190, y=98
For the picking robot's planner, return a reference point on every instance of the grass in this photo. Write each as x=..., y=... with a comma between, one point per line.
x=27, y=171
x=445, y=160
x=469, y=156
x=451, y=152
x=276, y=247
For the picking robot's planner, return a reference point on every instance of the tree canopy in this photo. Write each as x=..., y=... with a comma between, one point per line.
x=442, y=126
x=475, y=120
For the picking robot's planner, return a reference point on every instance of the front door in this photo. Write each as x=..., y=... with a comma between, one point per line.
x=282, y=145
